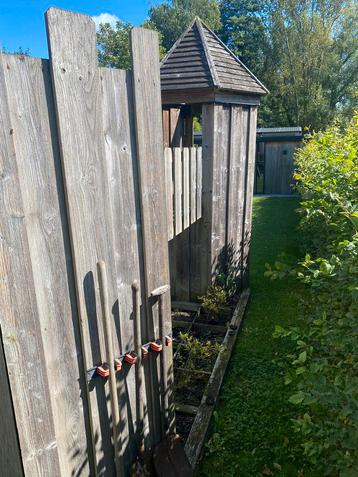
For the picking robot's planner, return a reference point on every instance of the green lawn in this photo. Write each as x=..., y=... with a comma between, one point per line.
x=251, y=434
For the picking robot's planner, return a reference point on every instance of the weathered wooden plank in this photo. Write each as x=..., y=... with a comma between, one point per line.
x=178, y=190
x=29, y=86
x=249, y=190
x=236, y=192
x=170, y=75
x=147, y=107
x=220, y=164
x=196, y=96
x=186, y=187
x=176, y=127
x=196, y=439
x=122, y=177
x=166, y=128
x=199, y=180
x=187, y=85
x=20, y=327
x=193, y=173
x=221, y=97
x=168, y=157
x=76, y=80
x=10, y=454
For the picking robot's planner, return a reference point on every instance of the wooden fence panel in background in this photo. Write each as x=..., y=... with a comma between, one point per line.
x=193, y=182
x=178, y=191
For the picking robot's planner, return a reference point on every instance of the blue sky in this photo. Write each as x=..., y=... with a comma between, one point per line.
x=22, y=22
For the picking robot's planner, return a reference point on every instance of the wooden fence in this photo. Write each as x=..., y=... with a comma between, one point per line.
x=183, y=173
x=81, y=180
x=218, y=241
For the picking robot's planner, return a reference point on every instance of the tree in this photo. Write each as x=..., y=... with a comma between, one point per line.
x=304, y=51
x=314, y=68
x=245, y=32
x=113, y=45
x=172, y=17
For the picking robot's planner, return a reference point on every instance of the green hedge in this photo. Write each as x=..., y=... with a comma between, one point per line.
x=325, y=365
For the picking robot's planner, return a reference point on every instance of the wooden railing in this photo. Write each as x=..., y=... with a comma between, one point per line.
x=183, y=172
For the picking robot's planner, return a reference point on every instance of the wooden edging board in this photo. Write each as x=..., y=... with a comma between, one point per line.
x=195, y=442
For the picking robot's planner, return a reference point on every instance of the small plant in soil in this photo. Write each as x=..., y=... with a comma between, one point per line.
x=195, y=356
x=214, y=300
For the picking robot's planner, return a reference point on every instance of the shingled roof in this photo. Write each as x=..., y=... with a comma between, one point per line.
x=200, y=60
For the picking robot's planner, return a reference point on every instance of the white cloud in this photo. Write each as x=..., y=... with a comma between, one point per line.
x=105, y=18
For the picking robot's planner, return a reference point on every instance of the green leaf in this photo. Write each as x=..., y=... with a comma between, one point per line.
x=297, y=398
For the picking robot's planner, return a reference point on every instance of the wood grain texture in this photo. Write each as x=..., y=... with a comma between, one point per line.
x=193, y=182
x=220, y=165
x=186, y=187
x=168, y=158
x=236, y=192
x=76, y=80
x=20, y=327
x=279, y=167
x=147, y=106
x=122, y=177
x=36, y=143
x=178, y=190
x=10, y=454
x=249, y=191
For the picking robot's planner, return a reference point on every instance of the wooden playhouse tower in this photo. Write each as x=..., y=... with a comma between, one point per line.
x=202, y=78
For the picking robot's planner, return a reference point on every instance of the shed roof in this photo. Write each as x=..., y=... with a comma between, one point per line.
x=200, y=60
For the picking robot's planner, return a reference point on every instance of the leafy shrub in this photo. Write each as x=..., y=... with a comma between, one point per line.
x=325, y=365
x=195, y=355
x=215, y=298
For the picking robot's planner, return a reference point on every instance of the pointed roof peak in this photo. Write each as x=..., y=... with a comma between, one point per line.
x=199, y=59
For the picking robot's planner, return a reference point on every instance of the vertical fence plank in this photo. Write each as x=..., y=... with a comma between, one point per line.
x=199, y=179
x=251, y=148
x=29, y=86
x=20, y=327
x=147, y=107
x=178, y=190
x=76, y=81
x=122, y=176
x=186, y=187
x=168, y=157
x=193, y=174
x=236, y=191
x=220, y=188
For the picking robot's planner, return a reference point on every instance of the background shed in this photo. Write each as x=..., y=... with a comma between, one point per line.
x=275, y=159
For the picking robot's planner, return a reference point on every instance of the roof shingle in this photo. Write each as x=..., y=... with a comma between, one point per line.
x=199, y=60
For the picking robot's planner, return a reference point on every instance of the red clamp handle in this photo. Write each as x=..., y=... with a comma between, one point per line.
x=156, y=346
x=103, y=370
x=130, y=358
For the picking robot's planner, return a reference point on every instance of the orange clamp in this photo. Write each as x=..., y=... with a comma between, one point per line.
x=130, y=358
x=103, y=370
x=156, y=346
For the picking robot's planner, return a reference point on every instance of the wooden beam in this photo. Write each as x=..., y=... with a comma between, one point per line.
x=196, y=439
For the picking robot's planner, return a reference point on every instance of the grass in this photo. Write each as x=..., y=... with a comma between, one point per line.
x=251, y=434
